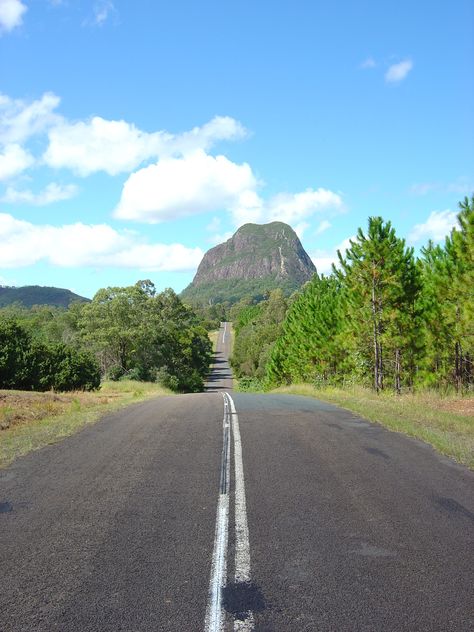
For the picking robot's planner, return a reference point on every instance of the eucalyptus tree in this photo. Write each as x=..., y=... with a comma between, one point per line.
x=140, y=333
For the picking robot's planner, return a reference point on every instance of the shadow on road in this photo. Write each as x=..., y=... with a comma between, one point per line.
x=220, y=377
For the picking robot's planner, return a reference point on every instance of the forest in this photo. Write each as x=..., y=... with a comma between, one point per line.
x=383, y=318
x=124, y=332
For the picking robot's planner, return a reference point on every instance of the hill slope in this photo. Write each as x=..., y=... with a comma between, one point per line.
x=258, y=258
x=30, y=295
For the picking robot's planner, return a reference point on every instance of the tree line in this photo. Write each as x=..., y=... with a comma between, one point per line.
x=124, y=332
x=383, y=318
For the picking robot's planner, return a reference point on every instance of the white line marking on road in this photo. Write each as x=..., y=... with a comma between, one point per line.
x=215, y=615
x=225, y=331
x=242, y=544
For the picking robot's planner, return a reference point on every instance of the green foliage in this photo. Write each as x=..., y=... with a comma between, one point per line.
x=361, y=323
x=310, y=346
x=231, y=291
x=259, y=258
x=252, y=384
x=448, y=305
x=136, y=332
x=384, y=318
x=36, y=295
x=15, y=347
x=29, y=364
x=256, y=329
x=124, y=333
x=381, y=285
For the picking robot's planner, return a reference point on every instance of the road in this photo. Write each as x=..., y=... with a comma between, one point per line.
x=234, y=511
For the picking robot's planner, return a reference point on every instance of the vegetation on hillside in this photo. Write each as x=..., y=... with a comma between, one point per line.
x=227, y=292
x=257, y=326
x=258, y=258
x=30, y=295
x=131, y=332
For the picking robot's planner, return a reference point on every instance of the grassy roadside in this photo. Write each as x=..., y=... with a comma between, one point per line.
x=445, y=422
x=30, y=420
x=232, y=338
x=213, y=336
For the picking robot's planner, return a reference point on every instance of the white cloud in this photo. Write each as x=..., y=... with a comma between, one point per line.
x=398, y=72
x=157, y=258
x=295, y=207
x=102, y=11
x=13, y=160
x=179, y=187
x=204, y=137
x=200, y=183
x=100, y=145
x=249, y=207
x=301, y=228
x=20, y=120
x=323, y=259
x=11, y=14
x=53, y=192
x=117, y=146
x=323, y=226
x=422, y=188
x=437, y=227
x=461, y=186
x=99, y=245
x=220, y=238
x=214, y=225
x=368, y=63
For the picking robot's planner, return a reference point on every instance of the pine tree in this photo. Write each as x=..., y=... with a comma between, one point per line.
x=309, y=348
x=381, y=284
x=448, y=292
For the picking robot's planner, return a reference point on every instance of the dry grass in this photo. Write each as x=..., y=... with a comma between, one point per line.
x=445, y=422
x=213, y=336
x=30, y=420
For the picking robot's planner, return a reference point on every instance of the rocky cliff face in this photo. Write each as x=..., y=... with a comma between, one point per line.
x=257, y=256
x=257, y=251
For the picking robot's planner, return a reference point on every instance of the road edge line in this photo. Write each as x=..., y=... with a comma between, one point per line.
x=242, y=542
x=215, y=615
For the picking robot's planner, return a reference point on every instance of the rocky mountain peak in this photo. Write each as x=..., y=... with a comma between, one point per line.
x=264, y=255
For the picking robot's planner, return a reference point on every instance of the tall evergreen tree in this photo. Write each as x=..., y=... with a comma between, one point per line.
x=309, y=348
x=448, y=304
x=381, y=284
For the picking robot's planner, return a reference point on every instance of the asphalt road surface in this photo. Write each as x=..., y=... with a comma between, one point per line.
x=228, y=511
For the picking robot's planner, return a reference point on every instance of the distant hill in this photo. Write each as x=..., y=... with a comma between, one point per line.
x=256, y=259
x=30, y=295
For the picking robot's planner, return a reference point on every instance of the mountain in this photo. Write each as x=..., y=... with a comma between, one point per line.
x=30, y=295
x=256, y=259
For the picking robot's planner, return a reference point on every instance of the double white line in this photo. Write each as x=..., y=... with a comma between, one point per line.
x=215, y=613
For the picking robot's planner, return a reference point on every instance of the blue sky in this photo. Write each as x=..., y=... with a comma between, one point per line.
x=136, y=135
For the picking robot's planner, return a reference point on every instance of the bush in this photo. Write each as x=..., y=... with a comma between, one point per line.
x=115, y=373
x=252, y=384
x=164, y=377
x=33, y=365
x=15, y=343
